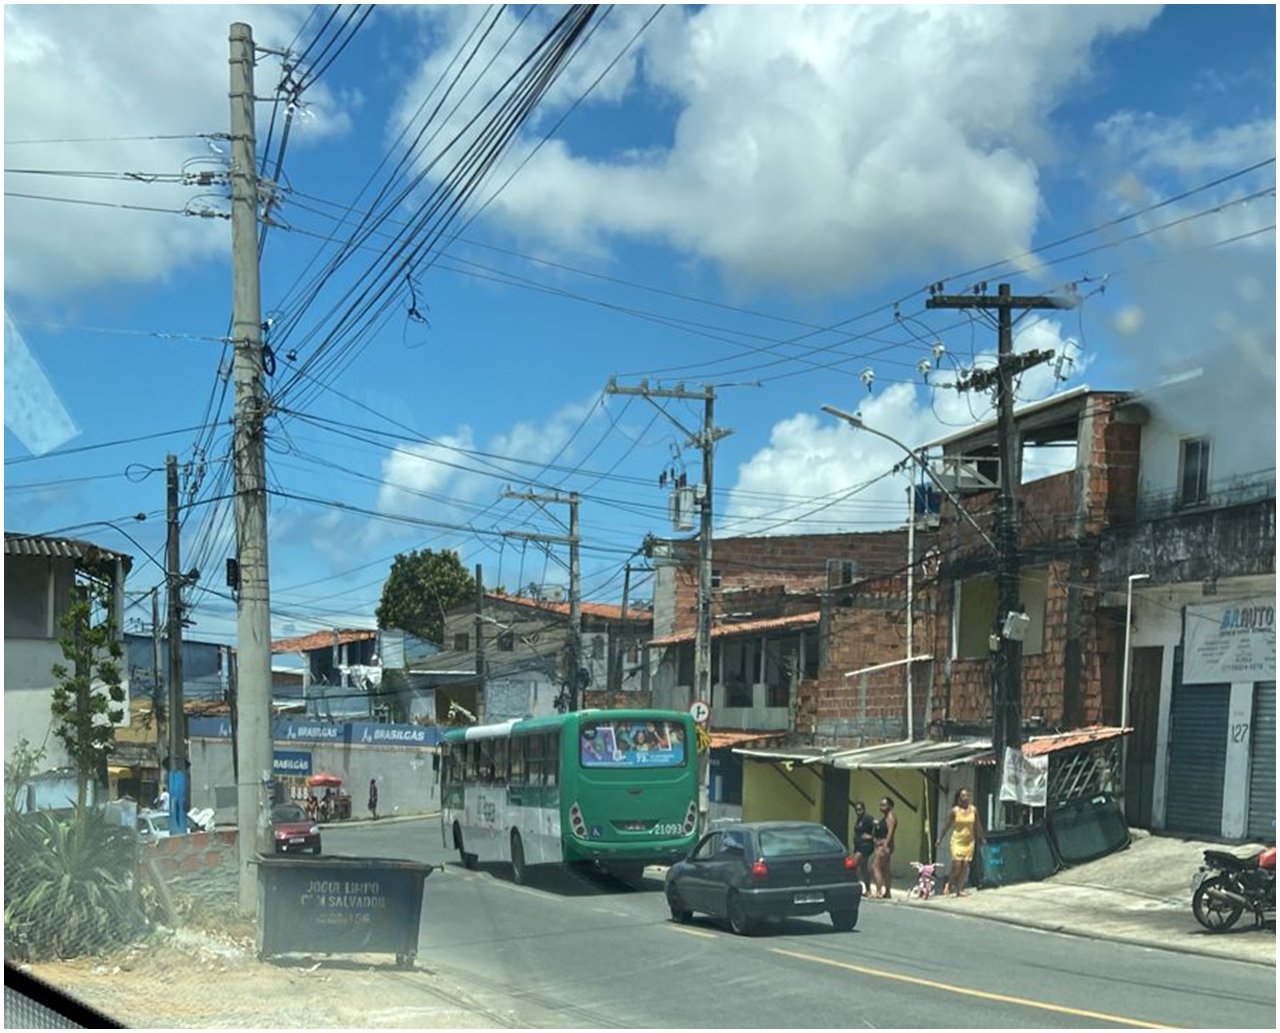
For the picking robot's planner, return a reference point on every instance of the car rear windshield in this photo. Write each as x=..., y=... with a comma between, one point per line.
x=288, y=812
x=798, y=841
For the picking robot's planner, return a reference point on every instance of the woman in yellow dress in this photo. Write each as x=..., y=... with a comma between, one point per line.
x=966, y=834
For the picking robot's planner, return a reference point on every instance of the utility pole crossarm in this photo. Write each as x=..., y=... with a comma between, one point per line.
x=1022, y=301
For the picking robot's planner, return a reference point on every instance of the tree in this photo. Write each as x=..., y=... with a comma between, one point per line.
x=88, y=698
x=421, y=587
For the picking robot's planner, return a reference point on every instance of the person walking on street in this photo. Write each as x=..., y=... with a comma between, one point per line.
x=373, y=798
x=883, y=831
x=966, y=834
x=864, y=843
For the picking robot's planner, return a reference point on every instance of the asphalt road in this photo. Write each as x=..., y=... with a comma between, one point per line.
x=579, y=950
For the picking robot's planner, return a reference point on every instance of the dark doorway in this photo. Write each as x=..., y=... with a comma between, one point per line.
x=1144, y=717
x=835, y=801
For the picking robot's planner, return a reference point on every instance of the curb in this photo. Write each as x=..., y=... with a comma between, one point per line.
x=1090, y=934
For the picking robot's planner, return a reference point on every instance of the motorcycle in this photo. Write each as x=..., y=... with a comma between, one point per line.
x=1227, y=885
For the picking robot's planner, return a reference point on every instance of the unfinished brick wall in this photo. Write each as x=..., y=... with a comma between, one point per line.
x=201, y=866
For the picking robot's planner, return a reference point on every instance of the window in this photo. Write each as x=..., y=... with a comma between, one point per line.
x=684, y=663
x=1194, y=478
x=841, y=572
x=709, y=847
x=715, y=578
x=506, y=642
x=741, y=671
x=462, y=642
x=781, y=657
x=628, y=744
x=597, y=648
x=975, y=617
x=809, y=646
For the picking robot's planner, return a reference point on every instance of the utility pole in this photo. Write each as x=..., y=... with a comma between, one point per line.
x=573, y=661
x=480, y=665
x=618, y=662
x=704, y=439
x=253, y=630
x=155, y=665
x=177, y=712
x=1007, y=704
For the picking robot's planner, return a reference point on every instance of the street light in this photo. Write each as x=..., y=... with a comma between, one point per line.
x=914, y=454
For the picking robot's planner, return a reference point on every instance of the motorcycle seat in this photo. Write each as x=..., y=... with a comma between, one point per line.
x=1229, y=862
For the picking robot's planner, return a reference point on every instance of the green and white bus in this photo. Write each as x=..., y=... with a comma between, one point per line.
x=616, y=788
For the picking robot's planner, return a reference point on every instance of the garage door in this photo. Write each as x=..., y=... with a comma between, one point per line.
x=1262, y=764
x=1197, y=758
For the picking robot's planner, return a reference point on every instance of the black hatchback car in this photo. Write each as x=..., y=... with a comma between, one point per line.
x=768, y=869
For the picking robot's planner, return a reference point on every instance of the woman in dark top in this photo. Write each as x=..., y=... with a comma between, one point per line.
x=880, y=860
x=864, y=843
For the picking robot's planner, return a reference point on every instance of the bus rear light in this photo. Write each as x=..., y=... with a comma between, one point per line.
x=759, y=871
x=690, y=817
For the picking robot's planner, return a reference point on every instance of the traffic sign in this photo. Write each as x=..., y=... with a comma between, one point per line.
x=701, y=711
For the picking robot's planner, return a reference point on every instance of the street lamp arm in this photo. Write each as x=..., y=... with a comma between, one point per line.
x=857, y=424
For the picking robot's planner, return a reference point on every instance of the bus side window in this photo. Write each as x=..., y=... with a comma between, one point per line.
x=552, y=757
x=517, y=760
x=500, y=762
x=537, y=769
x=471, y=772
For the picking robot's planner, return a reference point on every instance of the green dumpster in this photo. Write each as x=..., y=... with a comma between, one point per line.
x=340, y=905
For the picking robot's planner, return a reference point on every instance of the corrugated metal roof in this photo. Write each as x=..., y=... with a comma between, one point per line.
x=803, y=754
x=796, y=620
x=912, y=755
x=61, y=548
x=321, y=639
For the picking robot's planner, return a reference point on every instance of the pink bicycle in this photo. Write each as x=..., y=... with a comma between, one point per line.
x=927, y=873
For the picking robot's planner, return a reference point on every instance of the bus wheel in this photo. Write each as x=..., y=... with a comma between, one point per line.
x=468, y=860
x=519, y=874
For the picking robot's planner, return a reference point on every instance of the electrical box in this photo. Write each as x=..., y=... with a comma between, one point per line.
x=1016, y=625
x=683, y=508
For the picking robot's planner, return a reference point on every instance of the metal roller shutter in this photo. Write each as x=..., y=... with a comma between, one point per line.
x=1197, y=758
x=1262, y=764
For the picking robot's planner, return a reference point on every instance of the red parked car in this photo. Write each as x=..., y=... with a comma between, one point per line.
x=293, y=831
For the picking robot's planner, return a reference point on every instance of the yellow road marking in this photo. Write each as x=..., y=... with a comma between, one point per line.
x=968, y=992
x=693, y=932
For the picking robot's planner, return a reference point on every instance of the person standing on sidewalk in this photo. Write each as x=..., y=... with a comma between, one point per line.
x=373, y=798
x=966, y=834
x=883, y=831
x=864, y=843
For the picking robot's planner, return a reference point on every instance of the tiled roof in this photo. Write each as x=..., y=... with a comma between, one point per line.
x=321, y=640
x=603, y=611
x=1043, y=744
x=796, y=620
x=719, y=739
x=63, y=548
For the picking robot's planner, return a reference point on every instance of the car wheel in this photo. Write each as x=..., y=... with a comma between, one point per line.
x=844, y=919
x=679, y=913
x=739, y=921
x=519, y=874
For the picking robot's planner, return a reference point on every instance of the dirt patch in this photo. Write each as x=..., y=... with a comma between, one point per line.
x=206, y=979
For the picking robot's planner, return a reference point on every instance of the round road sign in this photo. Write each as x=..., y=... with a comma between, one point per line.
x=701, y=711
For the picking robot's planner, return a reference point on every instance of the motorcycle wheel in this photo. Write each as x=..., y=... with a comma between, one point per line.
x=1215, y=915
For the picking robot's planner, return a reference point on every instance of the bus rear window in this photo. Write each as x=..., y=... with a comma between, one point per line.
x=632, y=744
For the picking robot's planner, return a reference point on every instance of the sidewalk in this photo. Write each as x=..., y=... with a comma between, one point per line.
x=1140, y=896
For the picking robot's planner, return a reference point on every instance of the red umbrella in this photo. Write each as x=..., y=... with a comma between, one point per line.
x=323, y=778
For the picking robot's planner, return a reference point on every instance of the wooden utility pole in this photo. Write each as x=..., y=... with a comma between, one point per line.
x=177, y=711
x=253, y=630
x=1007, y=658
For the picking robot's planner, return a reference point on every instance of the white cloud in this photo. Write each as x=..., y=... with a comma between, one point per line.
x=1158, y=143
x=839, y=472
x=76, y=72
x=818, y=147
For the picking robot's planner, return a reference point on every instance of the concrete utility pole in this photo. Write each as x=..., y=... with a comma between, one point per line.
x=177, y=712
x=618, y=643
x=253, y=631
x=155, y=665
x=574, y=661
x=1007, y=706
x=705, y=439
x=480, y=665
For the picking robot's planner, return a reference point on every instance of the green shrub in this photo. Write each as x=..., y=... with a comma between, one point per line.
x=70, y=885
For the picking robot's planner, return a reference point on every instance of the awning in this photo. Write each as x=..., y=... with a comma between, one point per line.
x=1043, y=745
x=801, y=754
x=911, y=755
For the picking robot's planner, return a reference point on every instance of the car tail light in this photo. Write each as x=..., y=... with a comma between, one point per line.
x=850, y=862
x=759, y=871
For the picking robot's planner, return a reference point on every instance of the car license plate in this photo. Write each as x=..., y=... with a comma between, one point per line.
x=810, y=898
x=297, y=839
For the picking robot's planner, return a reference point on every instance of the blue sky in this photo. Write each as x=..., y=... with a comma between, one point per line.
x=734, y=196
